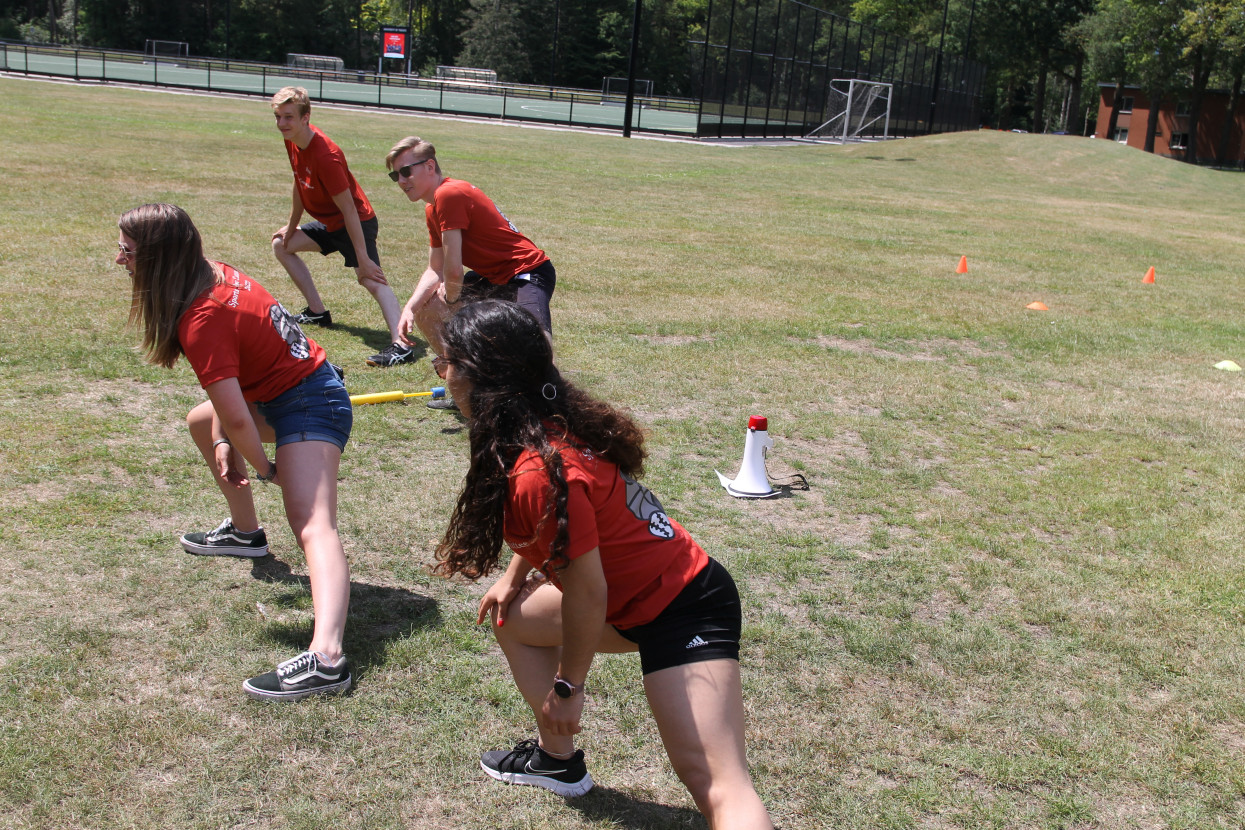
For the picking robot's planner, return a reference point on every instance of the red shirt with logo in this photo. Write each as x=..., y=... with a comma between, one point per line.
x=492, y=245
x=648, y=557
x=237, y=330
x=320, y=171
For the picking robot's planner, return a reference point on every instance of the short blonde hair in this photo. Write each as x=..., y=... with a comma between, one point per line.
x=292, y=95
x=418, y=146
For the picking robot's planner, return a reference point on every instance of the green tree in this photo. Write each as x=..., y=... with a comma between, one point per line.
x=494, y=40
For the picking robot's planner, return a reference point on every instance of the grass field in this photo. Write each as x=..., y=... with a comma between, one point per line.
x=1012, y=597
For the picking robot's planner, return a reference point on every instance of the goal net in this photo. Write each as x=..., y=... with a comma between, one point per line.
x=470, y=74
x=617, y=88
x=854, y=108
x=317, y=63
x=166, y=49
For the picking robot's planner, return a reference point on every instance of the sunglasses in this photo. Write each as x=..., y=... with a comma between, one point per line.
x=407, y=171
x=439, y=364
x=125, y=252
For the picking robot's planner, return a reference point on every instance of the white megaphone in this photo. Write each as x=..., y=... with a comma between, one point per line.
x=752, y=481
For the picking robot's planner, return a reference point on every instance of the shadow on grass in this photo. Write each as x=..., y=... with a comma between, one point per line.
x=377, y=339
x=619, y=809
x=377, y=614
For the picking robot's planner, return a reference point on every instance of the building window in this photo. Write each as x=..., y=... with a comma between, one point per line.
x=1182, y=109
x=1178, y=141
x=1126, y=103
x=1121, y=135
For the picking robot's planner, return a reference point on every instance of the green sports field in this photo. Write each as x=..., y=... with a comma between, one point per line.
x=1013, y=596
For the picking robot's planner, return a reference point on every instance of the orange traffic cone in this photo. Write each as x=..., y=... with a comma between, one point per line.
x=1149, y=277
x=962, y=268
x=1037, y=305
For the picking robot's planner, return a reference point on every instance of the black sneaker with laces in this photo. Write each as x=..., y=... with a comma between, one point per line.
x=307, y=317
x=300, y=677
x=527, y=763
x=392, y=355
x=227, y=540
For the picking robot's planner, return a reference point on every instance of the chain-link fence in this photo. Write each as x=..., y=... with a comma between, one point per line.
x=765, y=69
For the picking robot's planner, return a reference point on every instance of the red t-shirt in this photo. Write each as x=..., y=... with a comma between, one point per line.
x=492, y=245
x=320, y=171
x=237, y=330
x=648, y=558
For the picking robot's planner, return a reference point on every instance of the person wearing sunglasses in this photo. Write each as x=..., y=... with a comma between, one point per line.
x=344, y=221
x=475, y=252
x=266, y=382
x=597, y=567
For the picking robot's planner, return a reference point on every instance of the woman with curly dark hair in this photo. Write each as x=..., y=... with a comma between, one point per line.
x=598, y=567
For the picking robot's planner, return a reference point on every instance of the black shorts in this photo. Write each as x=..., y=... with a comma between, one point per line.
x=701, y=623
x=339, y=241
x=531, y=291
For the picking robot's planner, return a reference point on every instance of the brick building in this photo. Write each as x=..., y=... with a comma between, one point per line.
x=1172, y=135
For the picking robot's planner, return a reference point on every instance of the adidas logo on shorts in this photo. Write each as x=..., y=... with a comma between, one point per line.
x=696, y=642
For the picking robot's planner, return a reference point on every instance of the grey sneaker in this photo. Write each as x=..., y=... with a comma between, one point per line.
x=307, y=317
x=442, y=403
x=227, y=540
x=392, y=355
x=300, y=677
x=527, y=763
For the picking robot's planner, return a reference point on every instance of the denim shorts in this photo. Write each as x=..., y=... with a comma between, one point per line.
x=317, y=409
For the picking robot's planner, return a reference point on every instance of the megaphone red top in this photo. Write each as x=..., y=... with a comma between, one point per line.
x=758, y=422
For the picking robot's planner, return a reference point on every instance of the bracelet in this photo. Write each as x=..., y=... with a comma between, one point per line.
x=267, y=478
x=220, y=441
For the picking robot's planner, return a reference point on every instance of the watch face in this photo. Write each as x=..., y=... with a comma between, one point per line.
x=563, y=688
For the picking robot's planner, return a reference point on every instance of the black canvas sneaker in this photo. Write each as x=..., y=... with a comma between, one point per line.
x=227, y=540
x=300, y=677
x=527, y=763
x=392, y=355
x=307, y=317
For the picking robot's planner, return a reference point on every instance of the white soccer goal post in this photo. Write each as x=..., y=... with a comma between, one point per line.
x=166, y=49
x=617, y=87
x=854, y=106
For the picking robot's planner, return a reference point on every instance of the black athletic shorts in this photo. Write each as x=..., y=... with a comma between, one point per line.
x=339, y=241
x=701, y=623
x=531, y=291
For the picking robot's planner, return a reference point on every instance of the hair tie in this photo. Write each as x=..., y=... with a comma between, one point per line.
x=548, y=391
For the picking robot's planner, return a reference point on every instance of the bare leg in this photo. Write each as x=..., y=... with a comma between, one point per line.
x=288, y=256
x=308, y=477
x=429, y=319
x=532, y=642
x=390, y=308
x=700, y=714
x=241, y=500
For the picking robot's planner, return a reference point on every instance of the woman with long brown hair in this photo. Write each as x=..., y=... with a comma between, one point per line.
x=265, y=382
x=598, y=566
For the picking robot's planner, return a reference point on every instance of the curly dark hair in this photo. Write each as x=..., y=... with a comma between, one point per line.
x=519, y=400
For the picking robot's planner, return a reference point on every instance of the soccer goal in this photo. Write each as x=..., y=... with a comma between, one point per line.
x=470, y=74
x=316, y=63
x=614, y=90
x=166, y=50
x=854, y=107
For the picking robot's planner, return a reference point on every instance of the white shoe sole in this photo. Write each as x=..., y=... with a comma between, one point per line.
x=219, y=550
x=298, y=694
x=560, y=787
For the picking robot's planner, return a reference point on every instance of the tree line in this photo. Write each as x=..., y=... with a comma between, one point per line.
x=1046, y=58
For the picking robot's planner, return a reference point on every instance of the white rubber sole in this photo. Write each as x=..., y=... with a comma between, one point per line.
x=552, y=784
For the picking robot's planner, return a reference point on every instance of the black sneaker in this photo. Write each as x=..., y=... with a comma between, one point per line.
x=442, y=403
x=392, y=355
x=227, y=540
x=300, y=677
x=308, y=317
x=527, y=763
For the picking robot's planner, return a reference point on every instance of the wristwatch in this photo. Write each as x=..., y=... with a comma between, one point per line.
x=564, y=688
